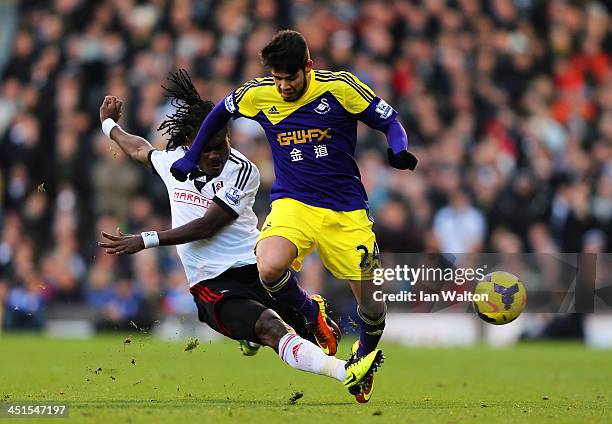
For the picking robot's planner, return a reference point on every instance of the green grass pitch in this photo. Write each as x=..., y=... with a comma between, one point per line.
x=548, y=383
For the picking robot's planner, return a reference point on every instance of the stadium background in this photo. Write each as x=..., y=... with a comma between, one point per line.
x=507, y=104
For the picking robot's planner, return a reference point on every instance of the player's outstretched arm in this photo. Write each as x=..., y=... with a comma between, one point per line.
x=214, y=220
x=397, y=153
x=385, y=119
x=135, y=147
x=214, y=122
x=378, y=114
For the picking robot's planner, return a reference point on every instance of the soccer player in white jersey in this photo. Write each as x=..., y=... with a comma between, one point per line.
x=214, y=228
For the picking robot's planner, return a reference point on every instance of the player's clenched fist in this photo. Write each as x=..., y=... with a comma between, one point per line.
x=111, y=108
x=402, y=160
x=184, y=168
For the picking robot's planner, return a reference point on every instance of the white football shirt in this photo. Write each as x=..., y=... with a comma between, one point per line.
x=234, y=190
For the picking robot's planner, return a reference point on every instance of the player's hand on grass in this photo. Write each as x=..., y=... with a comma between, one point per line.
x=402, y=160
x=122, y=244
x=183, y=168
x=111, y=108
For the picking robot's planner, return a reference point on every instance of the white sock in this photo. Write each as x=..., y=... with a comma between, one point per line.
x=303, y=355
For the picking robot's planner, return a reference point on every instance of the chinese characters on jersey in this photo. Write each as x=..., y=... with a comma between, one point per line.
x=319, y=151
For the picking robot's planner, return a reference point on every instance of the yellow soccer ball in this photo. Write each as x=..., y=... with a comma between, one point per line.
x=501, y=298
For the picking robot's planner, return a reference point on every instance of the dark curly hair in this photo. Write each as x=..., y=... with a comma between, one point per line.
x=182, y=126
x=286, y=52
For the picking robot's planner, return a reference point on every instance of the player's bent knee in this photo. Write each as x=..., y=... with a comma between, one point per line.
x=274, y=256
x=270, y=267
x=270, y=328
x=270, y=271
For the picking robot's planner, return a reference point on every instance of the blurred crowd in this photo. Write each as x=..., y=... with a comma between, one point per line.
x=507, y=105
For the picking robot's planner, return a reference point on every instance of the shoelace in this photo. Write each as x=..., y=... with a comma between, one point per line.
x=351, y=360
x=366, y=384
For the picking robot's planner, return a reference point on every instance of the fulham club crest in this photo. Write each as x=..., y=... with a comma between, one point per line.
x=217, y=186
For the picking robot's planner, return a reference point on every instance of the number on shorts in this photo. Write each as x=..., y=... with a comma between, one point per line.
x=367, y=262
x=364, y=256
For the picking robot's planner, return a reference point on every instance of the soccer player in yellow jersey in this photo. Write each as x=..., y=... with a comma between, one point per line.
x=318, y=201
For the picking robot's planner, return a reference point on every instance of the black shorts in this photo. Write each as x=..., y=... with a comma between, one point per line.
x=232, y=302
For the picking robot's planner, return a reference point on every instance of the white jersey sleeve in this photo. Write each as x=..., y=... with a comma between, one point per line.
x=161, y=161
x=239, y=192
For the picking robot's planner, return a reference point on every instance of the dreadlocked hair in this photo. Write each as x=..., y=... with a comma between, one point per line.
x=182, y=126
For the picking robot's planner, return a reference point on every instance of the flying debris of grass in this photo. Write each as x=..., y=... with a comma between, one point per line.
x=192, y=343
x=295, y=397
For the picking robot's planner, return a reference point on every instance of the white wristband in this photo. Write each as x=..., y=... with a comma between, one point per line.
x=108, y=125
x=150, y=238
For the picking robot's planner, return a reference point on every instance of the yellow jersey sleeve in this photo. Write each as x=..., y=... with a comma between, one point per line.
x=357, y=95
x=244, y=100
